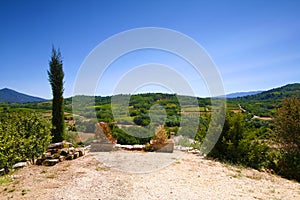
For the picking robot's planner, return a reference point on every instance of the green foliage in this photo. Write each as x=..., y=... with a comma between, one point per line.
x=131, y=135
x=240, y=143
x=148, y=147
x=265, y=103
x=56, y=76
x=287, y=126
x=71, y=137
x=86, y=126
x=5, y=179
x=254, y=143
x=289, y=165
x=23, y=136
x=142, y=120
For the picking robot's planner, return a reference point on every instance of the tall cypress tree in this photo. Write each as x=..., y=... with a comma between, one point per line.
x=56, y=76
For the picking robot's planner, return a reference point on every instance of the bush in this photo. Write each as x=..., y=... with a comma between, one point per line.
x=289, y=165
x=161, y=135
x=240, y=144
x=287, y=127
x=23, y=136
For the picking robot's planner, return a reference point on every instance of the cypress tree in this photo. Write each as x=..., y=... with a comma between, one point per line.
x=56, y=76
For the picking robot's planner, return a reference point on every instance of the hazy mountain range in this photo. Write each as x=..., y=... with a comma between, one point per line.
x=11, y=96
x=242, y=94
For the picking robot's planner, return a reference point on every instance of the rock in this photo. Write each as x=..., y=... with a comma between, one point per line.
x=58, y=145
x=62, y=158
x=2, y=172
x=52, y=151
x=39, y=161
x=72, y=149
x=81, y=152
x=19, y=165
x=75, y=155
x=56, y=155
x=67, y=144
x=70, y=157
x=58, y=152
x=101, y=147
x=164, y=147
x=194, y=151
x=64, y=151
x=47, y=155
x=50, y=162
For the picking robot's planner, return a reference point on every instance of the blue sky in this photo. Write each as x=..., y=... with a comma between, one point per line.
x=254, y=44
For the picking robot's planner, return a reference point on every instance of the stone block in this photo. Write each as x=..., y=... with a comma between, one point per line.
x=64, y=151
x=101, y=147
x=39, y=161
x=70, y=157
x=76, y=155
x=47, y=155
x=164, y=148
x=19, y=165
x=2, y=172
x=50, y=162
x=81, y=152
x=61, y=158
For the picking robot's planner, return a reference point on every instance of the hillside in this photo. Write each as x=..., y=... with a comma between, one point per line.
x=261, y=104
x=276, y=93
x=11, y=96
x=266, y=103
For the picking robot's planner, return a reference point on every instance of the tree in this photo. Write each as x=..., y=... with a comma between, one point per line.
x=56, y=76
x=23, y=136
x=287, y=123
x=287, y=127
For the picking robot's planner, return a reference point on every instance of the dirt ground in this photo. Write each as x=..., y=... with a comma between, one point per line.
x=188, y=177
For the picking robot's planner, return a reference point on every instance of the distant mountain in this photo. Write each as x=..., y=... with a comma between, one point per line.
x=11, y=96
x=242, y=94
x=266, y=103
x=277, y=94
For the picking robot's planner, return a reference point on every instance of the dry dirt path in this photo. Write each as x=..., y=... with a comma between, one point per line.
x=188, y=177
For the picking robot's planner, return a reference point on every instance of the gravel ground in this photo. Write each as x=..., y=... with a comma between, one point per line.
x=120, y=175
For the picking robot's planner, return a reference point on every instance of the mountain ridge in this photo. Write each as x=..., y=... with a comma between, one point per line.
x=242, y=94
x=11, y=96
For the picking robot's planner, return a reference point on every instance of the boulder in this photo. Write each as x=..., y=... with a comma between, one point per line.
x=2, y=172
x=56, y=155
x=101, y=147
x=72, y=149
x=62, y=158
x=50, y=162
x=52, y=151
x=19, y=165
x=167, y=147
x=58, y=145
x=75, y=155
x=64, y=151
x=47, y=155
x=81, y=152
x=70, y=157
x=39, y=161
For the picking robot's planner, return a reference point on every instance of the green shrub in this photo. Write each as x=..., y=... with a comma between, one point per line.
x=23, y=136
x=240, y=143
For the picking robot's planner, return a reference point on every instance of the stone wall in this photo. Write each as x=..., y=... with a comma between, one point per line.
x=58, y=152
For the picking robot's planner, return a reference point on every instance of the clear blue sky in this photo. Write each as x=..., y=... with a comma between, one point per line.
x=255, y=44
